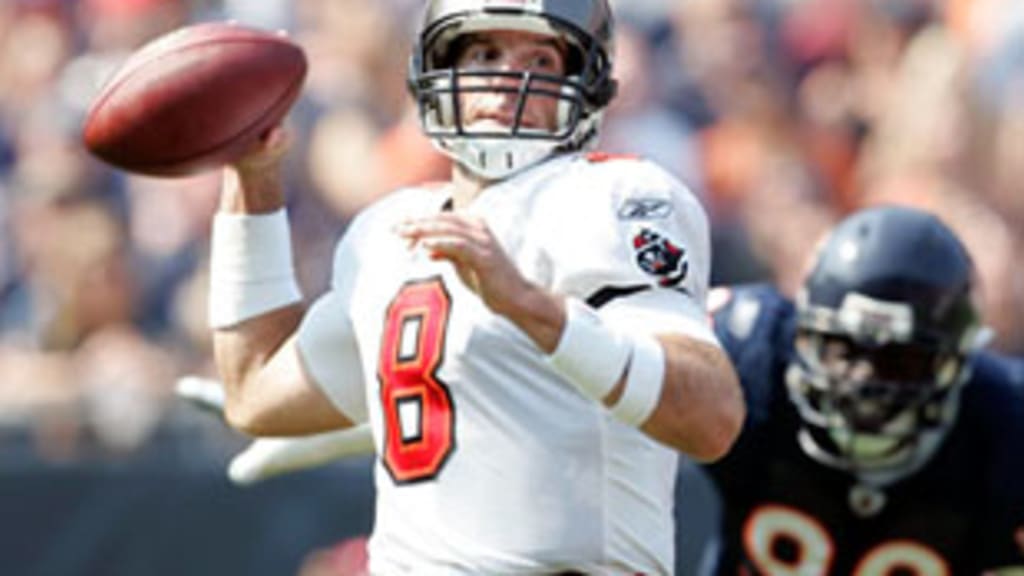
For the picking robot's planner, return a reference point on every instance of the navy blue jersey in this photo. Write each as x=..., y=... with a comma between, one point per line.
x=785, y=513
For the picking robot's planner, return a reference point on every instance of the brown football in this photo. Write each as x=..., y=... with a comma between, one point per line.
x=194, y=99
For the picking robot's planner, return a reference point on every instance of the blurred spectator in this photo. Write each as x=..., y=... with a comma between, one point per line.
x=267, y=14
x=404, y=156
x=125, y=392
x=920, y=154
x=638, y=123
x=35, y=45
x=168, y=221
x=113, y=26
x=40, y=397
x=75, y=272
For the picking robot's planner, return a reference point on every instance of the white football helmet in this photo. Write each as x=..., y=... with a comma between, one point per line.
x=585, y=27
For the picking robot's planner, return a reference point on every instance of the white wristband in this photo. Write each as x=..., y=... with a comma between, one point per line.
x=589, y=354
x=644, y=381
x=251, y=268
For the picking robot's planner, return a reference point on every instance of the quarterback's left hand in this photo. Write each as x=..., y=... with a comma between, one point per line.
x=484, y=267
x=468, y=243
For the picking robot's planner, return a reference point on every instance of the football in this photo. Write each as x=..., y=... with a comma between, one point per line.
x=194, y=99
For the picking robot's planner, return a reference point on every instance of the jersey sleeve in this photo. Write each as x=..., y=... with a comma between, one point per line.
x=327, y=342
x=633, y=242
x=754, y=323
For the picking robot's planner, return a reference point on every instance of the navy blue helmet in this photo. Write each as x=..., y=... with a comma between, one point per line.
x=886, y=323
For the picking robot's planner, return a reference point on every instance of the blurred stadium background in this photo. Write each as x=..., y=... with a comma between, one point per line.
x=782, y=115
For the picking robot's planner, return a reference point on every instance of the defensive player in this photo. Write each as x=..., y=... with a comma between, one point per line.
x=880, y=439
x=528, y=341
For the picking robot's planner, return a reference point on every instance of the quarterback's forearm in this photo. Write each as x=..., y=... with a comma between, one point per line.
x=255, y=305
x=540, y=314
x=243, y=349
x=701, y=409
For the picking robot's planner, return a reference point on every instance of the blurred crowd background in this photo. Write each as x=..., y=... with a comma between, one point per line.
x=781, y=115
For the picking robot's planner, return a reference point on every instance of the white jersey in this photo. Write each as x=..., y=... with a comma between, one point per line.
x=488, y=461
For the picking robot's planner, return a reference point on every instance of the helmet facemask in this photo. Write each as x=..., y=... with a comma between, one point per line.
x=494, y=150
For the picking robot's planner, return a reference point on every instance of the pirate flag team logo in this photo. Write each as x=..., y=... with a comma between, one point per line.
x=659, y=256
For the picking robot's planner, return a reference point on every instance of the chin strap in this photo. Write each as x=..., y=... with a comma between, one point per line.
x=496, y=158
x=499, y=158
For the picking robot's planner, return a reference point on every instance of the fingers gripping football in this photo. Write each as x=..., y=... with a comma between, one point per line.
x=268, y=151
x=480, y=261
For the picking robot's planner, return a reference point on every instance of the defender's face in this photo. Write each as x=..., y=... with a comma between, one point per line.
x=510, y=51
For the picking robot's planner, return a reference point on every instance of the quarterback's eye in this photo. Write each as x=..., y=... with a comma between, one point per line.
x=543, y=56
x=480, y=55
x=545, y=59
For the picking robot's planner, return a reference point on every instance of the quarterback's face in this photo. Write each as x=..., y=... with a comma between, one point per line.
x=510, y=51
